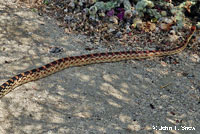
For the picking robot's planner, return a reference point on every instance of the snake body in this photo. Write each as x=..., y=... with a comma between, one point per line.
x=63, y=63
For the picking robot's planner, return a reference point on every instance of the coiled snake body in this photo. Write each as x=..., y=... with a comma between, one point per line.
x=63, y=63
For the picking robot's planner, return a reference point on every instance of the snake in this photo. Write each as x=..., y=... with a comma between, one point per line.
x=81, y=60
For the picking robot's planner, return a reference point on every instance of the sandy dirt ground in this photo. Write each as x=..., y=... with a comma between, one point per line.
x=139, y=96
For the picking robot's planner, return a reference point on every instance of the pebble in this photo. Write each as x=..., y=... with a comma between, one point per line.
x=56, y=50
x=195, y=58
x=114, y=19
x=118, y=34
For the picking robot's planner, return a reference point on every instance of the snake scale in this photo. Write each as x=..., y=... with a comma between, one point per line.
x=63, y=63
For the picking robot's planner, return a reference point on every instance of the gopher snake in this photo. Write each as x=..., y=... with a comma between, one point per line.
x=63, y=63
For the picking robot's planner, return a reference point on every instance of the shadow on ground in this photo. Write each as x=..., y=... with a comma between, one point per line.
x=124, y=97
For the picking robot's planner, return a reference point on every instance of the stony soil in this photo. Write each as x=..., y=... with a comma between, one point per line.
x=139, y=96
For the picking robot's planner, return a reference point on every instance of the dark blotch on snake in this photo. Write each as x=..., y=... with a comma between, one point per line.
x=47, y=65
x=10, y=81
x=42, y=68
x=61, y=60
x=71, y=58
x=54, y=62
x=103, y=54
x=96, y=54
x=27, y=72
x=110, y=53
x=34, y=70
x=18, y=76
x=4, y=85
x=88, y=55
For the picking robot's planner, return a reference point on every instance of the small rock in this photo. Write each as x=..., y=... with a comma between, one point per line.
x=164, y=13
x=128, y=14
x=65, y=10
x=195, y=58
x=118, y=34
x=137, y=23
x=56, y=50
x=114, y=20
